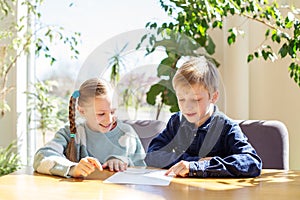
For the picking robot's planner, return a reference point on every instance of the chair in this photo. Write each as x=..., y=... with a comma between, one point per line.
x=270, y=140
x=146, y=129
x=268, y=137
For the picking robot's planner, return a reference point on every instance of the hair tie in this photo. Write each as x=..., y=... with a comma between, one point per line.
x=76, y=94
x=72, y=135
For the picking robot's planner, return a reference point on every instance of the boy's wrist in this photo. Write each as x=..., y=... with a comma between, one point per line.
x=197, y=168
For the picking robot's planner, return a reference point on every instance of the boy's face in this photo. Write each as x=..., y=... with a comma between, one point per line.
x=99, y=115
x=195, y=103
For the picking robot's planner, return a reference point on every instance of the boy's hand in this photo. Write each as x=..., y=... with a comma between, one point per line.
x=180, y=169
x=85, y=167
x=115, y=165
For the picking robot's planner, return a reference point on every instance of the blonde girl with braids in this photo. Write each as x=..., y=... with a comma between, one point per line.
x=100, y=142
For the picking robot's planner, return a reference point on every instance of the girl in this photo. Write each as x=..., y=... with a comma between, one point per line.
x=100, y=141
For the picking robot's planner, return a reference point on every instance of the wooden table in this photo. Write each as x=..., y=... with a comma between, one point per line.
x=272, y=184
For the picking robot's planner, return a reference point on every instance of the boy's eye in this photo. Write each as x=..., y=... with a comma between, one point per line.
x=100, y=114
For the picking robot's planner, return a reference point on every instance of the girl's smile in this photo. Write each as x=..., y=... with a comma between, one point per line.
x=100, y=116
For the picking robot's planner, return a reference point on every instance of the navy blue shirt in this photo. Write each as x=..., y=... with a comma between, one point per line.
x=232, y=155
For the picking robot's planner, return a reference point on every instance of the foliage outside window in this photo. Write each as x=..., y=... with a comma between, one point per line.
x=188, y=35
x=134, y=84
x=21, y=36
x=47, y=110
x=22, y=33
x=9, y=160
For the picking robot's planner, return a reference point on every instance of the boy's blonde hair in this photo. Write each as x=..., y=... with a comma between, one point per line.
x=197, y=70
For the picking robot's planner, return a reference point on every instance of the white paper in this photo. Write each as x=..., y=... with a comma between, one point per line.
x=139, y=176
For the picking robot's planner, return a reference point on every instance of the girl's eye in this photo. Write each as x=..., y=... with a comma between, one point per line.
x=100, y=114
x=180, y=99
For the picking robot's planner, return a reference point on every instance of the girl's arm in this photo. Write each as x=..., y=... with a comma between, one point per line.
x=50, y=159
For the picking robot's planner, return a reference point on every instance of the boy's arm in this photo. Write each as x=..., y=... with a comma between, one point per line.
x=240, y=166
x=161, y=152
x=241, y=159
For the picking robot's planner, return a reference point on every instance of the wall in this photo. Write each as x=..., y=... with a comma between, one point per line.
x=13, y=126
x=261, y=89
x=8, y=121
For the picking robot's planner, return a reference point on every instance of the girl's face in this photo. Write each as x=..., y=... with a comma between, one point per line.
x=195, y=103
x=100, y=116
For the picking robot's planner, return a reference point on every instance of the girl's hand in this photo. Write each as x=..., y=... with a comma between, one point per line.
x=85, y=167
x=179, y=169
x=115, y=165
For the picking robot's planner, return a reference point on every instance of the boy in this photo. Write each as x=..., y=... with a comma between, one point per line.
x=178, y=146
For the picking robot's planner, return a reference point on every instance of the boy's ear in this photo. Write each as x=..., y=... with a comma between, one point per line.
x=215, y=97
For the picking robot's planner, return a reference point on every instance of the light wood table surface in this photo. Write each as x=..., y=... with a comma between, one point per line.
x=272, y=184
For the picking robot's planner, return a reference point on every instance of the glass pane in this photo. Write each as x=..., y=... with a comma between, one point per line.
x=108, y=28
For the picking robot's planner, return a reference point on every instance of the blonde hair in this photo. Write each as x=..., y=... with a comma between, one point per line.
x=198, y=70
x=90, y=89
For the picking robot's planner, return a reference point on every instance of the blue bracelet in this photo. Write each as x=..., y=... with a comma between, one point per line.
x=72, y=135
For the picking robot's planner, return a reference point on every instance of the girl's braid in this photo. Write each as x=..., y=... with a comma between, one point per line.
x=71, y=152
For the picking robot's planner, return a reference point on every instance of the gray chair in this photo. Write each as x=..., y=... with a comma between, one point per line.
x=146, y=129
x=269, y=138
x=271, y=141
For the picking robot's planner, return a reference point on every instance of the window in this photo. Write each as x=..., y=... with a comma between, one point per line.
x=108, y=28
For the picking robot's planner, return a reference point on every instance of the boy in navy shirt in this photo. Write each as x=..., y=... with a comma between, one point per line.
x=178, y=147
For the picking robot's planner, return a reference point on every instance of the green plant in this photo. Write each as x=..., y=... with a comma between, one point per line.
x=18, y=38
x=176, y=45
x=9, y=160
x=132, y=89
x=115, y=63
x=48, y=111
x=195, y=18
